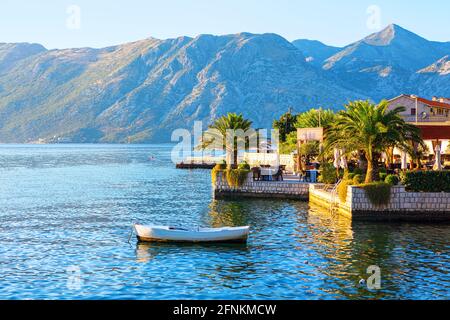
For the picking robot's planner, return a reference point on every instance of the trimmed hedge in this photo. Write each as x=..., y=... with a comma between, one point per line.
x=358, y=179
x=236, y=177
x=244, y=166
x=328, y=174
x=343, y=188
x=392, y=179
x=222, y=165
x=215, y=172
x=379, y=193
x=427, y=181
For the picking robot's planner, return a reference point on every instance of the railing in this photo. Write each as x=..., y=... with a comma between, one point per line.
x=429, y=119
x=334, y=196
x=204, y=160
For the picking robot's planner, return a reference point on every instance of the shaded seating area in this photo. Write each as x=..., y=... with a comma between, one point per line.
x=268, y=173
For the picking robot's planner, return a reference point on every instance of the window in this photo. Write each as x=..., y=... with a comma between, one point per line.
x=440, y=112
x=413, y=111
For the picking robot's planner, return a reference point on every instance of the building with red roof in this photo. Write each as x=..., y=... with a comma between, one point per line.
x=431, y=116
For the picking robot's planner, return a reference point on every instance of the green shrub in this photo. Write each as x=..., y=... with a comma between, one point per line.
x=351, y=175
x=359, y=171
x=344, y=174
x=379, y=193
x=328, y=173
x=222, y=165
x=427, y=181
x=236, y=177
x=383, y=176
x=244, y=166
x=215, y=172
x=358, y=179
x=342, y=189
x=382, y=170
x=392, y=179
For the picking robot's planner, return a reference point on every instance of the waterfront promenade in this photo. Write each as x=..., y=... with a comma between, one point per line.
x=402, y=205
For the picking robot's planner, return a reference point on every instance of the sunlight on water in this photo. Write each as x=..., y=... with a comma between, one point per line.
x=67, y=212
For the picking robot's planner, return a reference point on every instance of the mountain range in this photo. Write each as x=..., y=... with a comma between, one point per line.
x=141, y=91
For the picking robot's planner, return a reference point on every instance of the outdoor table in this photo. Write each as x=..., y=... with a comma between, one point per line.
x=268, y=173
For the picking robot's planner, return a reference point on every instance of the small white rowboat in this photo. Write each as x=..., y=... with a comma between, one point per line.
x=171, y=234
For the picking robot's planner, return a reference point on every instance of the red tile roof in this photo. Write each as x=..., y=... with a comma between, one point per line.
x=430, y=103
x=434, y=103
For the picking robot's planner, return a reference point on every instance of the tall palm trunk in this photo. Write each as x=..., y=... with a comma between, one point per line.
x=362, y=160
x=375, y=169
x=235, y=154
x=369, y=174
x=370, y=166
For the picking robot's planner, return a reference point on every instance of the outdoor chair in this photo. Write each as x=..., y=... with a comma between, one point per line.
x=256, y=174
x=308, y=176
x=279, y=175
x=301, y=176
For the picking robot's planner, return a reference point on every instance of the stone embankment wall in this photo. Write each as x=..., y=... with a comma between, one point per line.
x=262, y=189
x=403, y=205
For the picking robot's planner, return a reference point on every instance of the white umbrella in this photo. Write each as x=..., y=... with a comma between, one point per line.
x=337, y=158
x=438, y=164
x=404, y=161
x=344, y=164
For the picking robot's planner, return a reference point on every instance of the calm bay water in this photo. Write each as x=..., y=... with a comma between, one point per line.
x=67, y=210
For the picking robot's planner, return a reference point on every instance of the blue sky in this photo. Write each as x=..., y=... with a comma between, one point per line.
x=56, y=23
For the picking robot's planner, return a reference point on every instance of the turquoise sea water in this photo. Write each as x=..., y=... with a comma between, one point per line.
x=67, y=210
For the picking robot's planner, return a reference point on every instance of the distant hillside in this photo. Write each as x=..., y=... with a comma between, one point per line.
x=391, y=62
x=315, y=51
x=141, y=91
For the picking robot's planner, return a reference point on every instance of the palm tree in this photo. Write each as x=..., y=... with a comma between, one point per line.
x=215, y=137
x=417, y=152
x=285, y=125
x=371, y=129
x=315, y=118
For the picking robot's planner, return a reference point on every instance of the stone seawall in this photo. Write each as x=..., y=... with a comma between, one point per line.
x=262, y=189
x=403, y=205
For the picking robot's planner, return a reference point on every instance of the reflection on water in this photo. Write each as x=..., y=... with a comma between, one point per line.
x=146, y=251
x=66, y=206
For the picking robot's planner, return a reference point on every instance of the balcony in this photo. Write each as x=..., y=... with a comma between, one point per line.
x=428, y=119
